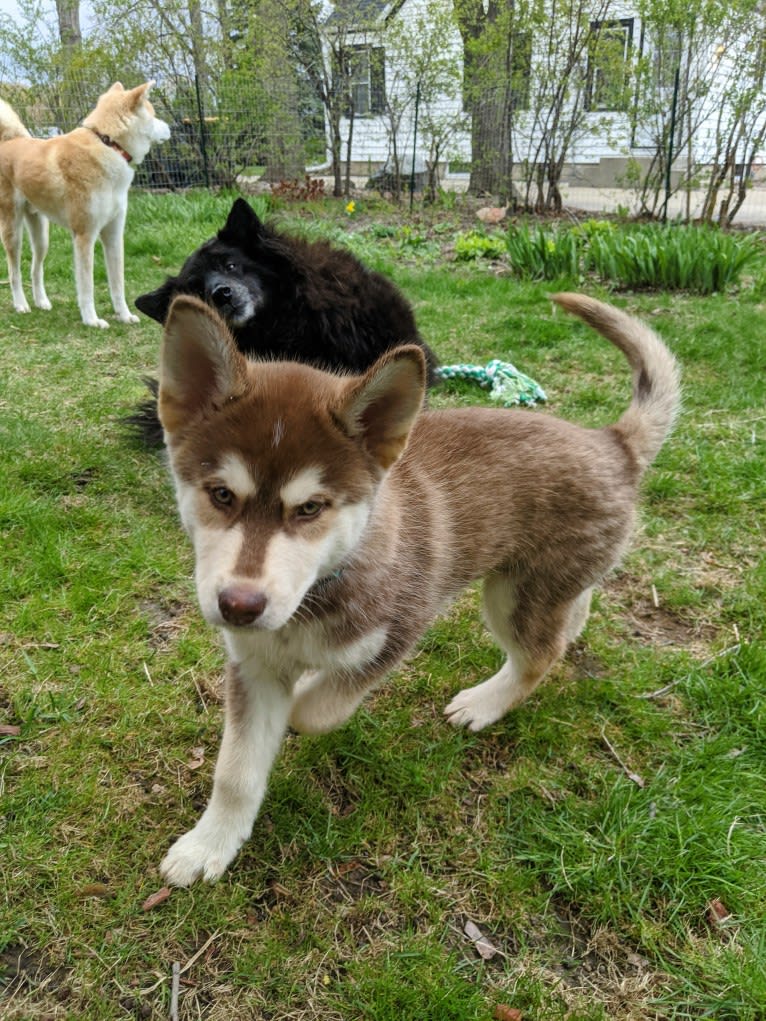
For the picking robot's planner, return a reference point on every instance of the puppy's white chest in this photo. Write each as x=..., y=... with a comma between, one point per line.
x=293, y=650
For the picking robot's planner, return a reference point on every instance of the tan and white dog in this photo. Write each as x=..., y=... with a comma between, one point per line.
x=79, y=180
x=332, y=519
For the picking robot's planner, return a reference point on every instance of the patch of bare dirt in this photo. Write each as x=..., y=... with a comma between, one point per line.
x=165, y=621
x=649, y=622
x=31, y=986
x=595, y=963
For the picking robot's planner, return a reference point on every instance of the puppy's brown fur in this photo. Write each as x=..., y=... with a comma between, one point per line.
x=332, y=519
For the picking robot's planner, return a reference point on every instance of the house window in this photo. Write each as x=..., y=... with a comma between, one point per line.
x=608, y=65
x=365, y=69
x=667, y=58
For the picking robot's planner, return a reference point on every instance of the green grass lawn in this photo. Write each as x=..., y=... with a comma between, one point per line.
x=608, y=838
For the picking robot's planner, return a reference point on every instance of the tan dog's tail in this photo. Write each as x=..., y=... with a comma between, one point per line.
x=656, y=378
x=10, y=125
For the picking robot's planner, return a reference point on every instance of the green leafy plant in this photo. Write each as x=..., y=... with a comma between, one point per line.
x=699, y=259
x=473, y=244
x=652, y=256
x=541, y=254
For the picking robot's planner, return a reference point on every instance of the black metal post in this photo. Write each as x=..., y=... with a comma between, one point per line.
x=414, y=146
x=202, y=131
x=676, y=82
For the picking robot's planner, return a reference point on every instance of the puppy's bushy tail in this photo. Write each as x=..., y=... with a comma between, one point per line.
x=10, y=125
x=656, y=377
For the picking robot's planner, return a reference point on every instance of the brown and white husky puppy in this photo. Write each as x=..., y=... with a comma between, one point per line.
x=79, y=180
x=332, y=518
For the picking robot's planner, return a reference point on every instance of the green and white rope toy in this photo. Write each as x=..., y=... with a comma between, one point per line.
x=506, y=383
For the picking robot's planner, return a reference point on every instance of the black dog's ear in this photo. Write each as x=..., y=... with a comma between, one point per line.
x=243, y=226
x=155, y=304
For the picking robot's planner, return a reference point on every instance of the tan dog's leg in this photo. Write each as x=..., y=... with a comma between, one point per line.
x=37, y=225
x=11, y=230
x=112, y=241
x=83, y=272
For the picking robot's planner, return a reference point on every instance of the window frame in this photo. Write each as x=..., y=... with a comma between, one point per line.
x=594, y=101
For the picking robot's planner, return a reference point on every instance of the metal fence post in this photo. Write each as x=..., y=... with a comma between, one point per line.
x=202, y=131
x=414, y=146
x=676, y=82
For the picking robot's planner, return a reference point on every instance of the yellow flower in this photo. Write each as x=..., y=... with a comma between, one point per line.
x=351, y=206
x=550, y=245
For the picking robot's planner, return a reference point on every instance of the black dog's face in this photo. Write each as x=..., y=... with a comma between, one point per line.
x=225, y=272
x=223, y=276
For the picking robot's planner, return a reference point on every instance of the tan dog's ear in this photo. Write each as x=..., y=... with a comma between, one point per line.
x=200, y=366
x=139, y=93
x=117, y=87
x=382, y=406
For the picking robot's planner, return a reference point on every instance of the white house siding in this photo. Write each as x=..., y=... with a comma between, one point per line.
x=598, y=148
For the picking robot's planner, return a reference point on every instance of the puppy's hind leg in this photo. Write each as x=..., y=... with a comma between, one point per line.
x=534, y=633
x=37, y=225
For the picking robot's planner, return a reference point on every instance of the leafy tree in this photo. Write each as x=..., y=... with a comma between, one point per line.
x=489, y=29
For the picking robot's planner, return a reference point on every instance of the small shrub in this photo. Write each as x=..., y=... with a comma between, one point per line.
x=474, y=245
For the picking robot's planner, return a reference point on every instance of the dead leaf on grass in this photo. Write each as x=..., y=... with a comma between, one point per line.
x=9, y=730
x=484, y=948
x=505, y=1013
x=717, y=912
x=156, y=898
x=197, y=758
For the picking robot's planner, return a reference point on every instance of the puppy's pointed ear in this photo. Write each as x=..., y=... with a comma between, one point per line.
x=381, y=407
x=155, y=304
x=200, y=366
x=243, y=226
x=117, y=87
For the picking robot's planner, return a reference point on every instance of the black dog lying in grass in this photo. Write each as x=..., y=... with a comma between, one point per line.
x=285, y=298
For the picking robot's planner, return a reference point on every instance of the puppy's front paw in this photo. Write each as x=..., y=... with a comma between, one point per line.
x=198, y=855
x=102, y=324
x=472, y=708
x=128, y=317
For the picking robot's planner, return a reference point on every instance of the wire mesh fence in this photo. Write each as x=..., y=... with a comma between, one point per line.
x=279, y=139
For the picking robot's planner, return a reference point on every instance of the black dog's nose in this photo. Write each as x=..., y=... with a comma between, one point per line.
x=241, y=605
x=221, y=294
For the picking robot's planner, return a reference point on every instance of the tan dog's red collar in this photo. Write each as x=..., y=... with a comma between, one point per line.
x=113, y=145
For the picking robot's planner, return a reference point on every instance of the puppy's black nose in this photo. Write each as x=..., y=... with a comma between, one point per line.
x=241, y=605
x=221, y=295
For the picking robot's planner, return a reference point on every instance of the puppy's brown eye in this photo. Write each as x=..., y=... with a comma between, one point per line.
x=309, y=509
x=221, y=496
